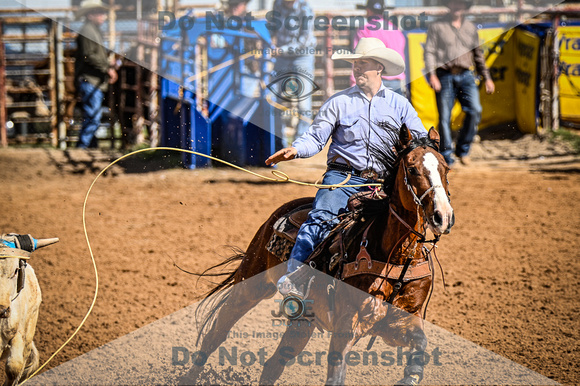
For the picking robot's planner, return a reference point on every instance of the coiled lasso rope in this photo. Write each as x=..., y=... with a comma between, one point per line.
x=278, y=177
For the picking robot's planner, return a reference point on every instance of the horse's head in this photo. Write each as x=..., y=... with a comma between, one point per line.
x=422, y=180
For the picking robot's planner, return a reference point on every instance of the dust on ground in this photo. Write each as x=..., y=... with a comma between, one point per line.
x=511, y=262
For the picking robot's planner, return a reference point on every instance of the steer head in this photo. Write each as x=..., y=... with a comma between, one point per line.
x=15, y=250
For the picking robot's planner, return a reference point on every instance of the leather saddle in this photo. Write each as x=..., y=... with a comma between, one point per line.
x=286, y=229
x=288, y=225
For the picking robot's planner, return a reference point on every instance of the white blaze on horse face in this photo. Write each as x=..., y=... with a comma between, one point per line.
x=441, y=220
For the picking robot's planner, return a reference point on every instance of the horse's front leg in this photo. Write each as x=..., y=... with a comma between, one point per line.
x=344, y=337
x=293, y=341
x=417, y=341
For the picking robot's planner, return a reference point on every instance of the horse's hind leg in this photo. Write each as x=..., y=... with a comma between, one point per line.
x=243, y=297
x=292, y=343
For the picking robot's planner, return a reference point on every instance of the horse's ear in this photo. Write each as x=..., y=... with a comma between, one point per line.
x=404, y=135
x=434, y=136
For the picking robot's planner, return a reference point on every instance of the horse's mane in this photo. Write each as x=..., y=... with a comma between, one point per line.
x=385, y=153
x=388, y=157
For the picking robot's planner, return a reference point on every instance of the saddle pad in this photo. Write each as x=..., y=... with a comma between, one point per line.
x=285, y=232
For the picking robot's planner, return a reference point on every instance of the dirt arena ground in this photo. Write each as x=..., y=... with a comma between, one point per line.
x=511, y=262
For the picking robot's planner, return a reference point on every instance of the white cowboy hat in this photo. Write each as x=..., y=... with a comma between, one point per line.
x=88, y=6
x=373, y=48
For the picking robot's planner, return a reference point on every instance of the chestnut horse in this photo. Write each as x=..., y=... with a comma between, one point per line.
x=364, y=304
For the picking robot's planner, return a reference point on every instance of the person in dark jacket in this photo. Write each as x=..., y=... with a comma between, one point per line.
x=452, y=49
x=294, y=69
x=93, y=73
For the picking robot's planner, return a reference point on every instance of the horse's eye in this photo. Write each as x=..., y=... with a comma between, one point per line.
x=413, y=171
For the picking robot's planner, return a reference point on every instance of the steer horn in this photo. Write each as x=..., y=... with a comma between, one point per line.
x=44, y=242
x=25, y=242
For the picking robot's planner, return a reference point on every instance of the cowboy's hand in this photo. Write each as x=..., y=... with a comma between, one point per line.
x=285, y=154
x=112, y=75
x=435, y=83
x=489, y=86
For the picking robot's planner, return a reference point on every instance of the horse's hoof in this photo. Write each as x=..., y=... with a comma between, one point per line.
x=409, y=380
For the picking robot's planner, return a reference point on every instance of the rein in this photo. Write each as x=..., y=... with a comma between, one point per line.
x=419, y=235
x=421, y=239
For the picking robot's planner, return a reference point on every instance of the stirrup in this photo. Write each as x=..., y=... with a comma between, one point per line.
x=287, y=288
x=296, y=283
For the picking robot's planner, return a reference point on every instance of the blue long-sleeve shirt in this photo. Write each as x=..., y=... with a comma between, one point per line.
x=350, y=119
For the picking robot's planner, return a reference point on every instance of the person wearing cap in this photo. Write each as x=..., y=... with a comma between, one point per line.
x=234, y=7
x=229, y=8
x=250, y=85
x=452, y=49
x=295, y=46
x=391, y=36
x=92, y=70
x=349, y=118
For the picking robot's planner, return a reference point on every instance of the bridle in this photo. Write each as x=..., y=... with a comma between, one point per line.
x=402, y=154
x=418, y=200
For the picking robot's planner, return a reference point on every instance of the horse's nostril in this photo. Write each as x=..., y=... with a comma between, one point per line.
x=437, y=218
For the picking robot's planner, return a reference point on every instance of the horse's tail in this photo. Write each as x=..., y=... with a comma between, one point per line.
x=208, y=307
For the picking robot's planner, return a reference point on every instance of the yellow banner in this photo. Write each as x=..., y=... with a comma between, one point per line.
x=526, y=56
x=569, y=81
x=498, y=47
x=499, y=107
x=422, y=95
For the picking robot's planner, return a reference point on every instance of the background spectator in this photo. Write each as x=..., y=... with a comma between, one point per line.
x=297, y=47
x=92, y=70
x=451, y=50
